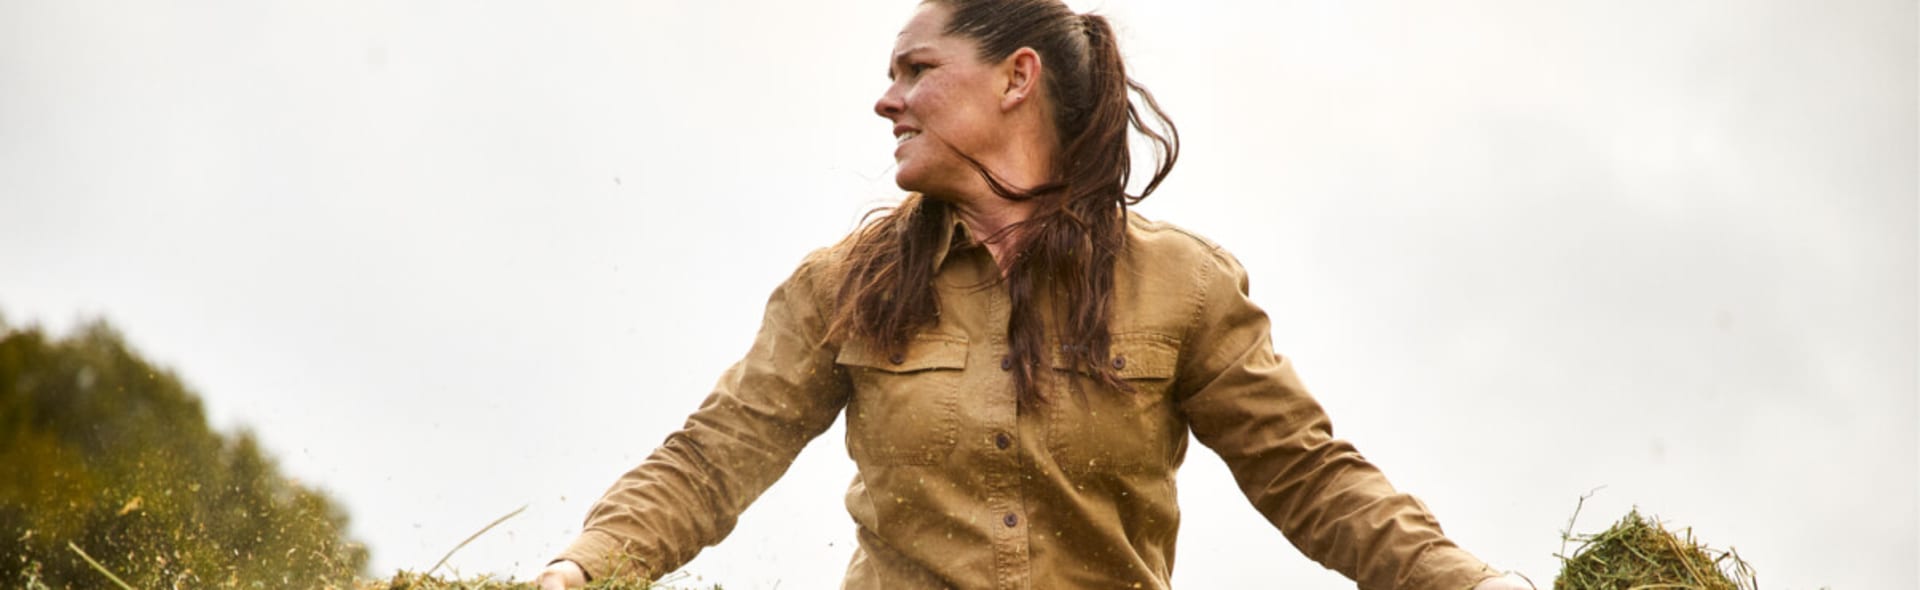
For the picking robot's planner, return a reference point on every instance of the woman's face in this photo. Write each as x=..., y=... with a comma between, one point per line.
x=943, y=98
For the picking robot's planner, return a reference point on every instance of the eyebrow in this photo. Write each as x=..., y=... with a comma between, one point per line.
x=900, y=59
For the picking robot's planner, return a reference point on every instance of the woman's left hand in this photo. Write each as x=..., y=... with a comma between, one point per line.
x=1506, y=582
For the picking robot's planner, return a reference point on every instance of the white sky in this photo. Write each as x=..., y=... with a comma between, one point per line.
x=450, y=258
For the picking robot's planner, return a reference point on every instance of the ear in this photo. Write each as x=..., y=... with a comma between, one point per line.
x=1022, y=72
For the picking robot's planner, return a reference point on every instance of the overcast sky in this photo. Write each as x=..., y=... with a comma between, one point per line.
x=451, y=258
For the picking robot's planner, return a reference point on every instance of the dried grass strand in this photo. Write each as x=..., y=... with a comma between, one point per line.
x=96, y=566
x=483, y=530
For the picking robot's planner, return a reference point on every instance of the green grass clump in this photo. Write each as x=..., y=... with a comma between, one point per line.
x=115, y=480
x=403, y=580
x=110, y=463
x=1637, y=553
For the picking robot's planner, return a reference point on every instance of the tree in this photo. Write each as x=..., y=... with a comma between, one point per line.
x=107, y=451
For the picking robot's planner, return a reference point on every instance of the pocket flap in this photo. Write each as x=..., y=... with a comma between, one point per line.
x=1134, y=357
x=924, y=351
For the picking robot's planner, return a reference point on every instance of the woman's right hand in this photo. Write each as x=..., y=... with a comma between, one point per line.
x=561, y=575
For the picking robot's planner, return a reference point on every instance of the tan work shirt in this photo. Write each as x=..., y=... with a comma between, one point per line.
x=959, y=488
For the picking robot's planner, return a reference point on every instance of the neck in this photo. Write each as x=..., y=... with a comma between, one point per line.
x=988, y=221
x=1022, y=163
x=1021, y=166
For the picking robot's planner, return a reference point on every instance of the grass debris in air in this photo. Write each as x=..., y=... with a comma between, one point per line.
x=415, y=581
x=427, y=581
x=1637, y=553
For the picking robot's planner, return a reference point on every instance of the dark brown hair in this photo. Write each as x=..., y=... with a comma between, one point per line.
x=1067, y=248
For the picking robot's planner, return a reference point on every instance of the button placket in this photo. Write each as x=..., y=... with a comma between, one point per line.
x=1003, y=467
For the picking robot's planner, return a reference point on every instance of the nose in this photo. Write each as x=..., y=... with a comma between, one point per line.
x=890, y=104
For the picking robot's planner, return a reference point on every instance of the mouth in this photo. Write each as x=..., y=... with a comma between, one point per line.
x=901, y=135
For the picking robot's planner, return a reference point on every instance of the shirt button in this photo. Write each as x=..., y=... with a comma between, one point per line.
x=1002, y=440
x=1011, y=520
x=1119, y=362
x=1006, y=363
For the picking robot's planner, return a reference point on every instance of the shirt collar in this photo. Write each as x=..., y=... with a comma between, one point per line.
x=954, y=236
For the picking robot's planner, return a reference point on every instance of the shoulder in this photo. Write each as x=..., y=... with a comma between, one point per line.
x=1175, y=280
x=821, y=269
x=1165, y=234
x=1158, y=243
x=809, y=290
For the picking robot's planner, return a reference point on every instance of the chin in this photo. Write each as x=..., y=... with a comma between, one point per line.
x=932, y=176
x=910, y=178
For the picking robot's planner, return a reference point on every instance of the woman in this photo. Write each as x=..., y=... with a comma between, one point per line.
x=1019, y=358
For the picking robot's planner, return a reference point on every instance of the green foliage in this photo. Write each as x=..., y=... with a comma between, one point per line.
x=114, y=455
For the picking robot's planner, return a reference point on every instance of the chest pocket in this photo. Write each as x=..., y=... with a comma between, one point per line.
x=1100, y=430
x=904, y=409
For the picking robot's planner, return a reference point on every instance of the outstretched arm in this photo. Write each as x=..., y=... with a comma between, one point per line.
x=1246, y=403
x=688, y=493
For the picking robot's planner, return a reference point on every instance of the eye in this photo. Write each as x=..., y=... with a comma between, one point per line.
x=916, y=68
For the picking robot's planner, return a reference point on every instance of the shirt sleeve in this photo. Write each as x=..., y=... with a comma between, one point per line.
x=687, y=495
x=1245, y=402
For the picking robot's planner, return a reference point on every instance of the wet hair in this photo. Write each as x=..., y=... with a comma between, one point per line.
x=1067, y=249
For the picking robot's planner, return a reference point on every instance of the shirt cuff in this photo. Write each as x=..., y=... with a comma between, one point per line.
x=1449, y=568
x=601, y=556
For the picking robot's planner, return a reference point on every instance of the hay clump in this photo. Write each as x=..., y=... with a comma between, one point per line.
x=1641, y=554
